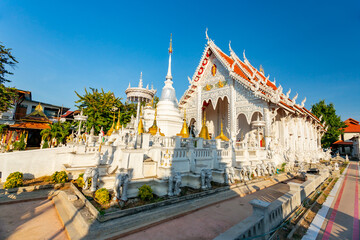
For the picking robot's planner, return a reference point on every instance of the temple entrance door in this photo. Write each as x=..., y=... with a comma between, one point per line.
x=34, y=138
x=256, y=117
x=214, y=117
x=192, y=129
x=243, y=127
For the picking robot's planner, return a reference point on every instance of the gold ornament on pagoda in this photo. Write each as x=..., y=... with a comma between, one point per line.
x=170, y=48
x=141, y=125
x=204, y=133
x=112, y=127
x=184, y=133
x=118, y=124
x=154, y=128
x=222, y=135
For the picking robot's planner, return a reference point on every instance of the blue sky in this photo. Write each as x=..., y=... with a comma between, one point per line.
x=312, y=47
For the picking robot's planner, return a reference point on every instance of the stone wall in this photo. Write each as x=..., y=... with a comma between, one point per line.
x=267, y=216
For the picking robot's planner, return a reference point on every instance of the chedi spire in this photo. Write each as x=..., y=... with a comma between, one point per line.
x=168, y=76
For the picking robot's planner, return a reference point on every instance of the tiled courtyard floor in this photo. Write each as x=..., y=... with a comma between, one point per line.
x=210, y=221
x=30, y=220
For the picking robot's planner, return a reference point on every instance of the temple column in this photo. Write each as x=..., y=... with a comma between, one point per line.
x=232, y=112
x=199, y=109
x=267, y=119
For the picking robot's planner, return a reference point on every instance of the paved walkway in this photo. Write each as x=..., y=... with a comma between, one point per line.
x=342, y=219
x=210, y=221
x=29, y=220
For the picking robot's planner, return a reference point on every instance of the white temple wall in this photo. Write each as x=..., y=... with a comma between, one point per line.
x=34, y=163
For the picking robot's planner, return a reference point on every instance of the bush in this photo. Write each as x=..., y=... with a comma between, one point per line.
x=14, y=180
x=102, y=196
x=15, y=175
x=282, y=169
x=59, y=177
x=80, y=180
x=146, y=193
x=46, y=144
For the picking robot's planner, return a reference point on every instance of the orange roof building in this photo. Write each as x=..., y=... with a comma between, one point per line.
x=345, y=144
x=32, y=124
x=352, y=128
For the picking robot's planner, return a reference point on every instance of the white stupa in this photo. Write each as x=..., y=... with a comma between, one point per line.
x=168, y=114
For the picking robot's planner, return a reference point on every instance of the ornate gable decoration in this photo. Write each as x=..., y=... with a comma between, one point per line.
x=245, y=74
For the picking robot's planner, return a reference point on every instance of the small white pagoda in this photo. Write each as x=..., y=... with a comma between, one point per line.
x=168, y=114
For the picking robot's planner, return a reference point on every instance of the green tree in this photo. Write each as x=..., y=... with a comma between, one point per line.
x=57, y=130
x=45, y=134
x=3, y=128
x=99, y=106
x=64, y=131
x=6, y=59
x=331, y=120
x=7, y=95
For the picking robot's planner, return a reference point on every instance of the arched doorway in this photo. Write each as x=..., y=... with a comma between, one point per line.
x=192, y=129
x=257, y=129
x=243, y=127
x=216, y=116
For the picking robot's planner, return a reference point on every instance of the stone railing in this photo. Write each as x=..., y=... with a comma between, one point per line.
x=180, y=154
x=203, y=153
x=168, y=142
x=224, y=153
x=268, y=216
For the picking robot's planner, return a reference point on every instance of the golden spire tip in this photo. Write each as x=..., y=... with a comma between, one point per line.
x=170, y=48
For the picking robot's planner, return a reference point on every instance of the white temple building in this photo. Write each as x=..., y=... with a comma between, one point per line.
x=254, y=111
x=242, y=124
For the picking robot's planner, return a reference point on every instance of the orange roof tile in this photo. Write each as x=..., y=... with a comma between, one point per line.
x=282, y=102
x=230, y=62
x=352, y=126
x=351, y=121
x=31, y=125
x=341, y=142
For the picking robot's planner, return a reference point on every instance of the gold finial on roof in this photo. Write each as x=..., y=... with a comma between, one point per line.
x=39, y=108
x=170, y=48
x=261, y=69
x=222, y=135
